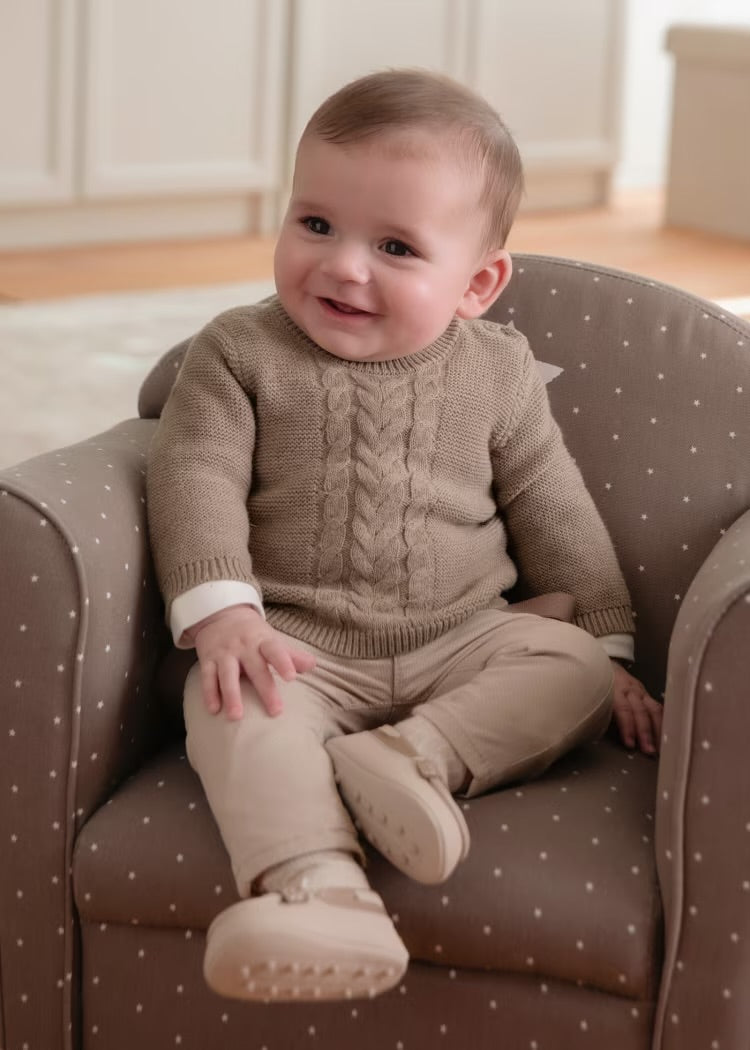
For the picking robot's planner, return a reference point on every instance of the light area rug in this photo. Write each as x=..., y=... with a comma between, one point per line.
x=70, y=368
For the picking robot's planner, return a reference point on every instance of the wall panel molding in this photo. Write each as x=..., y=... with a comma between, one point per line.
x=37, y=100
x=140, y=124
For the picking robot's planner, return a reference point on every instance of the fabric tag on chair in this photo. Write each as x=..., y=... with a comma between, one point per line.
x=548, y=372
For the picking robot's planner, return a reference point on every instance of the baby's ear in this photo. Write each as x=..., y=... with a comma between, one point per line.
x=485, y=285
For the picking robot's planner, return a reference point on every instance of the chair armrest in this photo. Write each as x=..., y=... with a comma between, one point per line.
x=80, y=634
x=703, y=807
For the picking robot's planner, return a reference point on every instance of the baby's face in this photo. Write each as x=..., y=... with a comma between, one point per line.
x=378, y=245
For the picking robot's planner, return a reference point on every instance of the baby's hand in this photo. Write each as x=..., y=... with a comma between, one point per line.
x=638, y=715
x=237, y=641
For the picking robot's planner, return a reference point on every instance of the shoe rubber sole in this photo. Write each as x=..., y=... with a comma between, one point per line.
x=314, y=949
x=400, y=804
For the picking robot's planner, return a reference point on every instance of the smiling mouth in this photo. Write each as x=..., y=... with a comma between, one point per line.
x=344, y=308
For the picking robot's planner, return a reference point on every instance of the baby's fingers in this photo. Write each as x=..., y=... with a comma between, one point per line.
x=277, y=656
x=229, y=683
x=303, y=661
x=625, y=719
x=644, y=728
x=262, y=681
x=287, y=663
x=210, y=687
x=655, y=713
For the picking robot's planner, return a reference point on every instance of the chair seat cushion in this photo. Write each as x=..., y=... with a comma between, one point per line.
x=560, y=880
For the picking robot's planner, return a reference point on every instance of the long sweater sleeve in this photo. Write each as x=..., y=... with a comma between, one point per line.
x=200, y=471
x=559, y=539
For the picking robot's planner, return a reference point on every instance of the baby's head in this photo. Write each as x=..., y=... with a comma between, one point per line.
x=405, y=188
x=460, y=123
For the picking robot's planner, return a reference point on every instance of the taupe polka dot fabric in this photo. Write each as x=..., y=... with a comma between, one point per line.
x=553, y=935
x=654, y=402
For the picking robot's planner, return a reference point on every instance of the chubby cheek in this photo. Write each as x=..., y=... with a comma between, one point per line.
x=284, y=265
x=292, y=263
x=425, y=309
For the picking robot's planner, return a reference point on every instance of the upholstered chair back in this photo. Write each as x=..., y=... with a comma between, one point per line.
x=654, y=402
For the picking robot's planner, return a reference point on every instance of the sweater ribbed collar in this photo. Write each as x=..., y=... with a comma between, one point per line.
x=436, y=351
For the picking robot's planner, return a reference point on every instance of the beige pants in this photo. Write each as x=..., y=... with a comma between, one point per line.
x=511, y=692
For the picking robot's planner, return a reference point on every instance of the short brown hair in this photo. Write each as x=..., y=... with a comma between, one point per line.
x=399, y=99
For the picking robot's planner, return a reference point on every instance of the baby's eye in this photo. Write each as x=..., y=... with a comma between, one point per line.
x=397, y=248
x=316, y=225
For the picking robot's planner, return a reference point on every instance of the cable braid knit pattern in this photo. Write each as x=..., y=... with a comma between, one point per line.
x=338, y=437
x=370, y=503
x=380, y=494
x=420, y=560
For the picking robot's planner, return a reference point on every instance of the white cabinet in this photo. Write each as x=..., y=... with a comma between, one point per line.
x=37, y=75
x=335, y=41
x=147, y=119
x=709, y=156
x=551, y=69
x=554, y=72
x=144, y=118
x=182, y=98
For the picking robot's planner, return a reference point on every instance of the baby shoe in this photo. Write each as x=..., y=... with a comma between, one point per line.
x=400, y=803
x=333, y=943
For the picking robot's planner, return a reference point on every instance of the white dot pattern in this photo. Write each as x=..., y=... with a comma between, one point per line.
x=414, y=1016
x=547, y=936
x=702, y=826
x=648, y=404
x=75, y=718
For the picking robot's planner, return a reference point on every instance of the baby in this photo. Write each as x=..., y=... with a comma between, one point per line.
x=335, y=488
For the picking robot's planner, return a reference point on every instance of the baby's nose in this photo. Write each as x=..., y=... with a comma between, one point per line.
x=346, y=261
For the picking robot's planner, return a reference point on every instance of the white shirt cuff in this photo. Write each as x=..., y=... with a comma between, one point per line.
x=618, y=646
x=206, y=599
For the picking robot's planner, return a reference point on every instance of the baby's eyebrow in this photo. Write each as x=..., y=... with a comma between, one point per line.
x=309, y=206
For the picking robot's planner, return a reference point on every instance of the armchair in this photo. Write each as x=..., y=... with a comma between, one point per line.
x=605, y=905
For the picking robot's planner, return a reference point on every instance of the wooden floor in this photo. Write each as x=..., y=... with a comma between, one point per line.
x=627, y=235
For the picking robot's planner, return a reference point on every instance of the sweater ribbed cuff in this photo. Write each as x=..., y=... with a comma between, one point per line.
x=617, y=620
x=207, y=570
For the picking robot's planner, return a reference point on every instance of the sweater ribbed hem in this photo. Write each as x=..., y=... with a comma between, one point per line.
x=363, y=644
x=617, y=620
x=396, y=639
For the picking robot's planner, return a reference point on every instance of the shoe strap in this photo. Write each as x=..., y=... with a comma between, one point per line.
x=390, y=736
x=427, y=768
x=337, y=896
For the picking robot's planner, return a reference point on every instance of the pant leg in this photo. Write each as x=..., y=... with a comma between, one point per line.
x=514, y=693
x=269, y=781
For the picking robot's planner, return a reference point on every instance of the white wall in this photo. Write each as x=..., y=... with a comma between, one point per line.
x=647, y=90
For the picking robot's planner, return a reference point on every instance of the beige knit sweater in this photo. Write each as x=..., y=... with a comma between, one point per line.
x=372, y=504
